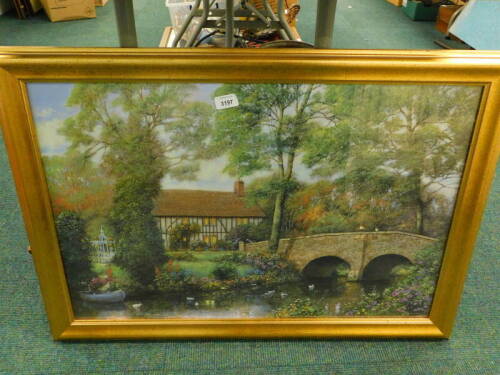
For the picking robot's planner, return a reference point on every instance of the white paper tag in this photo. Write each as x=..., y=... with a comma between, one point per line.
x=226, y=101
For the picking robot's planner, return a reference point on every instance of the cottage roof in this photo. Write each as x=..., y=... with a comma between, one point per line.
x=203, y=203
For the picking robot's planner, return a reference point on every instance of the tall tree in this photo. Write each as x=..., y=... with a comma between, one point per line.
x=426, y=137
x=407, y=143
x=266, y=132
x=75, y=249
x=140, y=133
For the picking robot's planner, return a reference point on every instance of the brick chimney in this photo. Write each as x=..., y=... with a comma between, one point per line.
x=239, y=188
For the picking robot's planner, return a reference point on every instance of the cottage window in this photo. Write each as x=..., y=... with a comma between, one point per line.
x=241, y=220
x=210, y=239
x=209, y=221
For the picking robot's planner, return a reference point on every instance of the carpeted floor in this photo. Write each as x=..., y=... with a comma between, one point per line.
x=25, y=343
x=358, y=24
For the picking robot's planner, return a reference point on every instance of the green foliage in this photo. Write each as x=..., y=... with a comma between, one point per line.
x=171, y=281
x=75, y=249
x=225, y=271
x=275, y=268
x=247, y=233
x=223, y=245
x=134, y=288
x=199, y=246
x=182, y=255
x=141, y=133
x=234, y=269
x=110, y=113
x=180, y=235
x=393, y=150
x=333, y=223
x=300, y=308
x=139, y=246
x=262, y=192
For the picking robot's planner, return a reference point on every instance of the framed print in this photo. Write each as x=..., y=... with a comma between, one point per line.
x=228, y=193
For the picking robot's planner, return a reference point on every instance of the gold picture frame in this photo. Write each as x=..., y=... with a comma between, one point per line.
x=18, y=66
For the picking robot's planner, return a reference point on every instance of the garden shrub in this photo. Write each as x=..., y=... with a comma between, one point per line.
x=133, y=287
x=223, y=245
x=225, y=271
x=181, y=235
x=248, y=233
x=199, y=246
x=174, y=280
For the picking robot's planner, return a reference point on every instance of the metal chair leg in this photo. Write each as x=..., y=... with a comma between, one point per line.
x=229, y=23
x=283, y=22
x=199, y=26
x=257, y=13
x=325, y=17
x=124, y=10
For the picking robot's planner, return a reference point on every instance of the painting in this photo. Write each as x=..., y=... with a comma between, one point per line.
x=276, y=201
x=214, y=193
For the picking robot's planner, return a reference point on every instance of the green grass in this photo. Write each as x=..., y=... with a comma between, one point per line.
x=203, y=266
x=206, y=262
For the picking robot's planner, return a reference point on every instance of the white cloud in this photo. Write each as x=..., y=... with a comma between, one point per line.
x=210, y=177
x=46, y=112
x=51, y=142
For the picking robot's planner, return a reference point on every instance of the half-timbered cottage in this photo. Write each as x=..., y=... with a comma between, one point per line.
x=215, y=212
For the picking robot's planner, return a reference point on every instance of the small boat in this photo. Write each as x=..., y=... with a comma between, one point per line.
x=106, y=297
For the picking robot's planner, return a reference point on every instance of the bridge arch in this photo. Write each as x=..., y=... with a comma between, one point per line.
x=324, y=267
x=380, y=267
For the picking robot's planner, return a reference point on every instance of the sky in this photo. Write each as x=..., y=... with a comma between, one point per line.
x=49, y=112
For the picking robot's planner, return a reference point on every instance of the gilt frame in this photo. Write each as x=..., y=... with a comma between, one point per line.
x=21, y=65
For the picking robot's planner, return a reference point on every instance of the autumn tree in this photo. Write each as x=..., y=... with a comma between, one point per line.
x=78, y=185
x=266, y=132
x=140, y=134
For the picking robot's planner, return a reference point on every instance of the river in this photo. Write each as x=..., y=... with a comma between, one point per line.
x=253, y=302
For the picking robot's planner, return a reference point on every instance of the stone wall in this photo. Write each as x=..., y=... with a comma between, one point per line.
x=253, y=247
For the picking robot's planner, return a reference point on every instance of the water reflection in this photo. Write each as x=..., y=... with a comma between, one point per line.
x=331, y=293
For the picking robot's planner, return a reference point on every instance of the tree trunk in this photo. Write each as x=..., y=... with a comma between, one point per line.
x=419, y=217
x=277, y=219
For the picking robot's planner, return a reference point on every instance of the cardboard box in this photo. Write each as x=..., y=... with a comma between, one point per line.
x=66, y=10
x=101, y=3
x=444, y=16
x=397, y=3
x=36, y=5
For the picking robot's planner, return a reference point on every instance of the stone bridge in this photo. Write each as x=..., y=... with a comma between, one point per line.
x=357, y=249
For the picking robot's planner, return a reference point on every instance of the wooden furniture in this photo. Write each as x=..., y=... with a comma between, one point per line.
x=445, y=15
